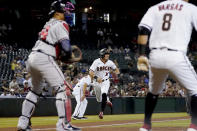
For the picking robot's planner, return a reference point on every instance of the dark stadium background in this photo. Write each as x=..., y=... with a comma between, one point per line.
x=28, y=16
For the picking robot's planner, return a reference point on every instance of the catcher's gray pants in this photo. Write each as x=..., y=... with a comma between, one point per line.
x=42, y=66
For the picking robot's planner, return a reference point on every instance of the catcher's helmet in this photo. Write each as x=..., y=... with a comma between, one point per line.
x=61, y=6
x=103, y=51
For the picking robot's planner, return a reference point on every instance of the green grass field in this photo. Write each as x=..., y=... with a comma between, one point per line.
x=37, y=121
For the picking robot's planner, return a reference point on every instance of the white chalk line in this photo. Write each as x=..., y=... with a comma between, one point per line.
x=130, y=123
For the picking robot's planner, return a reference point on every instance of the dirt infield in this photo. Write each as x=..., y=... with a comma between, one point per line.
x=112, y=126
x=110, y=129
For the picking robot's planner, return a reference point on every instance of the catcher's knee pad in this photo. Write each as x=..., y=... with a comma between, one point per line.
x=31, y=96
x=104, y=97
x=61, y=96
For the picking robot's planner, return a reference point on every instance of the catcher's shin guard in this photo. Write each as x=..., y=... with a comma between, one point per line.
x=60, y=104
x=27, y=110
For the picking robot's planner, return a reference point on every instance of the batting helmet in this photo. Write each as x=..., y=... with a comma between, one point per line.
x=103, y=51
x=61, y=6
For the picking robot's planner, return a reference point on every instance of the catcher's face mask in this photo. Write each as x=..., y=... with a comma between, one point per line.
x=69, y=16
x=63, y=7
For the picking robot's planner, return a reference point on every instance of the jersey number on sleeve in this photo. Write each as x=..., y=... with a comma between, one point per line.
x=166, y=21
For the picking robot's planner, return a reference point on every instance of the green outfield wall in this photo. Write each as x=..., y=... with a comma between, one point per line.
x=121, y=105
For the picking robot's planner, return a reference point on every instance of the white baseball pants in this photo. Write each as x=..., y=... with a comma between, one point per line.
x=101, y=88
x=174, y=63
x=81, y=105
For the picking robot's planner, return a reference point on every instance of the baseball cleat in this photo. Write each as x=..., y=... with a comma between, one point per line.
x=101, y=115
x=74, y=117
x=24, y=124
x=109, y=103
x=192, y=127
x=79, y=118
x=84, y=117
x=27, y=129
x=145, y=127
x=72, y=128
x=66, y=127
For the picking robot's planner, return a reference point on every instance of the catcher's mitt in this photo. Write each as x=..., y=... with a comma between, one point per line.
x=75, y=56
x=142, y=63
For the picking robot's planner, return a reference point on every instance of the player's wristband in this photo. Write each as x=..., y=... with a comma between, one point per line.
x=142, y=49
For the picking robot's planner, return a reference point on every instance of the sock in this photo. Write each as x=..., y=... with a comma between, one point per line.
x=194, y=109
x=150, y=103
x=104, y=100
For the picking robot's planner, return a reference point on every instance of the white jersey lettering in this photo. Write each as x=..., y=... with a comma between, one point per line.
x=102, y=69
x=168, y=15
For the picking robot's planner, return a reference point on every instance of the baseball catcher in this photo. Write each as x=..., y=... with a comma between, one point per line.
x=53, y=44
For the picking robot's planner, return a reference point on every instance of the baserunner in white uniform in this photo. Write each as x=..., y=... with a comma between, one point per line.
x=169, y=25
x=79, y=93
x=100, y=71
